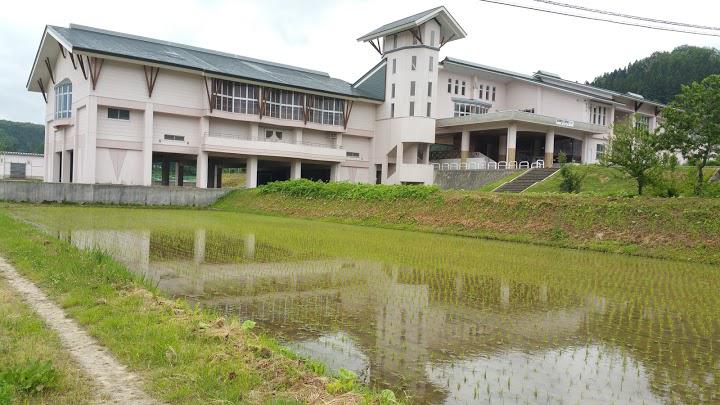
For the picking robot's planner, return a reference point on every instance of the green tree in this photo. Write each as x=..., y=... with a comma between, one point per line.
x=634, y=150
x=692, y=124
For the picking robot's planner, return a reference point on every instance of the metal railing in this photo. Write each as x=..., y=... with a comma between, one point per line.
x=273, y=139
x=491, y=165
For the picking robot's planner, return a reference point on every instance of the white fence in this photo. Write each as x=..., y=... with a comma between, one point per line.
x=490, y=165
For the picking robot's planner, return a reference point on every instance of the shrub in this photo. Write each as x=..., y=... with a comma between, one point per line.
x=572, y=177
x=33, y=376
x=347, y=191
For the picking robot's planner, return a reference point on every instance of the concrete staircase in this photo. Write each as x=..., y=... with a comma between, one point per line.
x=524, y=181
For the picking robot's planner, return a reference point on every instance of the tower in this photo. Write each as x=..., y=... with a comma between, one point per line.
x=405, y=122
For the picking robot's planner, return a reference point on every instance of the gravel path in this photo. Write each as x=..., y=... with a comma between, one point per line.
x=114, y=381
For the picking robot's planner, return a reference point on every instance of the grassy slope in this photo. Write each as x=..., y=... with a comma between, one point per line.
x=667, y=228
x=184, y=354
x=23, y=339
x=607, y=181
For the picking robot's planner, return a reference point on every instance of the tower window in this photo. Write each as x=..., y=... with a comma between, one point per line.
x=63, y=99
x=412, y=88
x=487, y=92
x=412, y=108
x=463, y=88
x=392, y=110
x=493, y=94
x=429, y=108
x=430, y=65
x=395, y=41
x=413, y=65
x=394, y=70
x=392, y=90
x=429, y=89
x=432, y=38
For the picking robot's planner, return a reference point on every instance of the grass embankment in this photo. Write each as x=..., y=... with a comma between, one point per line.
x=35, y=368
x=183, y=354
x=609, y=181
x=675, y=228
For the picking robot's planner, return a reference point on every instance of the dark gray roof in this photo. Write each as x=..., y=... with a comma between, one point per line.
x=450, y=25
x=373, y=82
x=94, y=40
x=401, y=22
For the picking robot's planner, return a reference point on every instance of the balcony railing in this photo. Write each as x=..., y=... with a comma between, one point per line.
x=273, y=139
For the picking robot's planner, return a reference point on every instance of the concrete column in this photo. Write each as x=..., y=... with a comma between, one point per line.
x=549, y=147
x=254, y=130
x=91, y=141
x=511, y=142
x=178, y=172
x=49, y=153
x=201, y=170
x=465, y=146
x=295, y=169
x=298, y=135
x=426, y=155
x=251, y=169
x=334, y=169
x=148, y=131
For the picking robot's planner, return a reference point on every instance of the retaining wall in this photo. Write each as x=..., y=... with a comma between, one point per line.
x=468, y=179
x=23, y=191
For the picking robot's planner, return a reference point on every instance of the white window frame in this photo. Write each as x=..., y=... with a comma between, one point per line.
x=465, y=109
x=643, y=121
x=236, y=97
x=327, y=110
x=63, y=99
x=599, y=115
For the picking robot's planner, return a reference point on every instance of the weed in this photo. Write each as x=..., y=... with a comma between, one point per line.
x=347, y=191
x=31, y=377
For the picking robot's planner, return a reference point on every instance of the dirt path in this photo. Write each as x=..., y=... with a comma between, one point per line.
x=115, y=382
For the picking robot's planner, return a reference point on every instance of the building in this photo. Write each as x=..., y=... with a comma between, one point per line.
x=22, y=166
x=123, y=109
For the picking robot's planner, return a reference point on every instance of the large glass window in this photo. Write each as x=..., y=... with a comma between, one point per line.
x=236, y=97
x=465, y=109
x=63, y=99
x=326, y=110
x=284, y=104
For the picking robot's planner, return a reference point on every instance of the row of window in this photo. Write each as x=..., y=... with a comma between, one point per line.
x=465, y=109
x=413, y=64
x=285, y=104
x=412, y=89
x=459, y=89
x=411, y=113
x=415, y=40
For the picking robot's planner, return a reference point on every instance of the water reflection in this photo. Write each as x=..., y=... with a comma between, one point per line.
x=444, y=336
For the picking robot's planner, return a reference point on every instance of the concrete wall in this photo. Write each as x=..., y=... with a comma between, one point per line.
x=468, y=179
x=20, y=191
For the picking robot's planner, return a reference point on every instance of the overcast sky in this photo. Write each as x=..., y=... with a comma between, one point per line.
x=321, y=34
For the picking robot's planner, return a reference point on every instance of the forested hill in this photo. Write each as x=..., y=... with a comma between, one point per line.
x=21, y=137
x=659, y=76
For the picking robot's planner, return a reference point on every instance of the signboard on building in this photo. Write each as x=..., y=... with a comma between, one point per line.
x=565, y=123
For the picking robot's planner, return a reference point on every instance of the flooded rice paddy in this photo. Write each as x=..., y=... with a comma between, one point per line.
x=443, y=319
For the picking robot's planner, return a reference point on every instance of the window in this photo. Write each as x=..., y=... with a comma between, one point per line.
x=463, y=88
x=412, y=88
x=493, y=94
x=355, y=155
x=599, y=151
x=273, y=135
x=643, y=121
x=598, y=115
x=63, y=99
x=480, y=96
x=432, y=38
x=284, y=104
x=456, y=86
x=449, y=85
x=465, y=109
x=429, y=89
x=487, y=92
x=118, y=114
x=429, y=109
x=170, y=137
x=392, y=110
x=413, y=65
x=528, y=110
x=395, y=41
x=394, y=66
x=236, y=97
x=326, y=110
x=392, y=90
x=412, y=108
x=430, y=65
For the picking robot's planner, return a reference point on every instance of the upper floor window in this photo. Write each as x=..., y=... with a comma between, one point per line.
x=432, y=38
x=326, y=110
x=464, y=109
x=392, y=110
x=394, y=70
x=449, y=85
x=493, y=93
x=118, y=114
x=236, y=97
x=392, y=90
x=487, y=92
x=642, y=121
x=395, y=41
x=285, y=104
x=63, y=99
x=429, y=89
x=412, y=108
x=463, y=88
x=430, y=65
x=429, y=109
x=413, y=64
x=598, y=115
x=412, y=88
x=457, y=85
x=480, y=96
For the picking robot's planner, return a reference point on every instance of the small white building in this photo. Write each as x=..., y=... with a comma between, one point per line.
x=22, y=166
x=123, y=109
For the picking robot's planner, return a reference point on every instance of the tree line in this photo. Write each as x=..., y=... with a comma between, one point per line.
x=21, y=137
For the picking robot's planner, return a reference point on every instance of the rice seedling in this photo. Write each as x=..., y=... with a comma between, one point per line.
x=445, y=319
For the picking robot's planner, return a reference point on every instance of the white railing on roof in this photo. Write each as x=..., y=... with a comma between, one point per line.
x=490, y=165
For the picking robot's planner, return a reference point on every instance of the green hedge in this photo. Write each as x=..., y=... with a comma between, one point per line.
x=347, y=191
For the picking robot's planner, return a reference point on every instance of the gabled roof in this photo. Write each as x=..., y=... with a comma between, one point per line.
x=450, y=29
x=81, y=39
x=556, y=82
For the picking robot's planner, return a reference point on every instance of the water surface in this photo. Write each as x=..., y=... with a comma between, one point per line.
x=444, y=319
